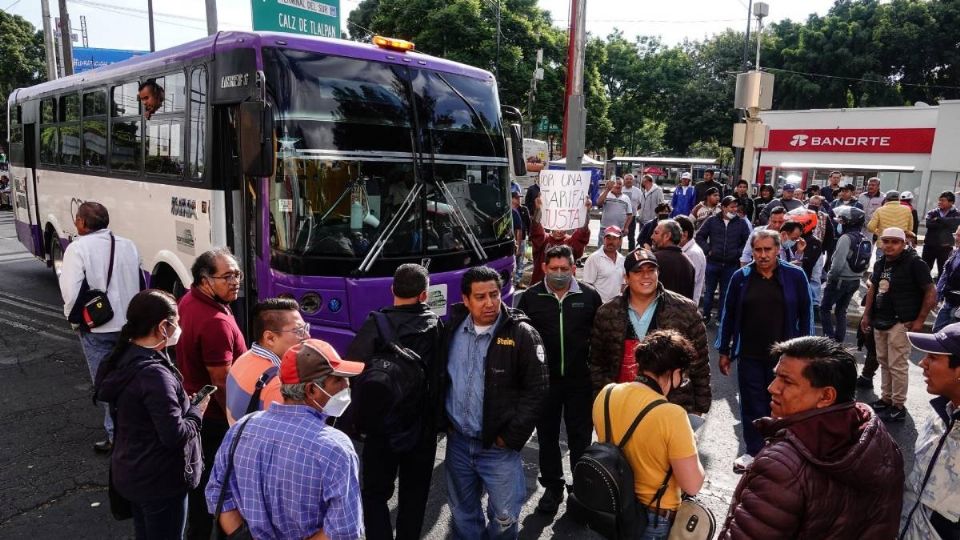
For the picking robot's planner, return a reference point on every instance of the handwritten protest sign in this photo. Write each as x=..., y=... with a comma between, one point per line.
x=563, y=194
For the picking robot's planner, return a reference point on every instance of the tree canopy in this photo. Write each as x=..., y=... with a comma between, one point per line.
x=21, y=58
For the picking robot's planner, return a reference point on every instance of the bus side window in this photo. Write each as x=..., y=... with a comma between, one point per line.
x=126, y=134
x=49, y=135
x=70, y=130
x=95, y=129
x=198, y=123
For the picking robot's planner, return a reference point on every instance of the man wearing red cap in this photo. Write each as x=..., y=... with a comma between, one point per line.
x=284, y=473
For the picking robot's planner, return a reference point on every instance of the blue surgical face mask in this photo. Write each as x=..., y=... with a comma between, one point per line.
x=787, y=244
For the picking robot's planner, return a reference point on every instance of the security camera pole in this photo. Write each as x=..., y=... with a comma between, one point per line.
x=754, y=93
x=574, y=115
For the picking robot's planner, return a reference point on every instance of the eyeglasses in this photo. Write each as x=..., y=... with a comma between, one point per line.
x=234, y=277
x=300, y=331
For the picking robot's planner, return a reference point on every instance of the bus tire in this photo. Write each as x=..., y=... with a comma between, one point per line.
x=54, y=252
x=164, y=278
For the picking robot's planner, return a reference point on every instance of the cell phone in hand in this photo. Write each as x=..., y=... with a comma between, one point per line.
x=203, y=393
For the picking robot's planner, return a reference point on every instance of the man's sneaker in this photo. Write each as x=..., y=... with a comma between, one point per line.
x=864, y=382
x=881, y=405
x=550, y=501
x=894, y=414
x=742, y=463
x=103, y=447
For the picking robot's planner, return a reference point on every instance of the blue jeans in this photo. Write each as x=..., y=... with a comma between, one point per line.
x=471, y=469
x=658, y=527
x=944, y=317
x=716, y=274
x=754, y=376
x=163, y=519
x=837, y=293
x=96, y=348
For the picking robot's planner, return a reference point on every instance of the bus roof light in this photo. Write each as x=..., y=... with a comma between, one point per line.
x=393, y=44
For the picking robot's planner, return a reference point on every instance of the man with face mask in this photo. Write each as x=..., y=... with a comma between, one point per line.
x=87, y=259
x=645, y=238
x=560, y=308
x=300, y=476
x=210, y=343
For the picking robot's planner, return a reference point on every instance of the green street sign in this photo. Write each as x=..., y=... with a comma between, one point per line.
x=309, y=17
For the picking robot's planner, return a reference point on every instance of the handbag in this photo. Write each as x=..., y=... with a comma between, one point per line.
x=92, y=308
x=694, y=521
x=120, y=507
x=242, y=533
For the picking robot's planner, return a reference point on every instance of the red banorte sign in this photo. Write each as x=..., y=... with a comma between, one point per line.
x=880, y=141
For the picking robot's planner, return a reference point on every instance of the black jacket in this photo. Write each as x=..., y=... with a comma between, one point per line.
x=416, y=328
x=940, y=229
x=561, y=325
x=676, y=271
x=156, y=447
x=722, y=241
x=515, y=376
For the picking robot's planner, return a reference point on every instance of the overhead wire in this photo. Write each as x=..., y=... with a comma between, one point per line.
x=858, y=79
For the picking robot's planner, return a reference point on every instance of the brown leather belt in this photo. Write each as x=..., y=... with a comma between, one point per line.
x=669, y=514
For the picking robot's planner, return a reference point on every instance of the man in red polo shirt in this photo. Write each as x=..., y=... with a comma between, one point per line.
x=210, y=342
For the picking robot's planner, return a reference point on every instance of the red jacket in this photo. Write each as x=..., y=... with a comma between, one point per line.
x=832, y=473
x=542, y=242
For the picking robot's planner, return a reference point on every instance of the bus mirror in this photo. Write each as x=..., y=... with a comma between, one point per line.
x=516, y=151
x=256, y=139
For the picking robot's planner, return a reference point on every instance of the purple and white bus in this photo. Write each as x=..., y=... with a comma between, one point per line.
x=323, y=164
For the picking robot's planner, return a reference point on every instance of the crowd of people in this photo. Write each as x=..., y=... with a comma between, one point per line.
x=271, y=452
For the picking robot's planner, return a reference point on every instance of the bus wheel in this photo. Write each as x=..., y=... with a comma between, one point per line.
x=56, y=254
x=166, y=279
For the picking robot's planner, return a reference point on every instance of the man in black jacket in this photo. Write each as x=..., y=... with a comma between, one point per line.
x=418, y=329
x=676, y=271
x=941, y=223
x=560, y=308
x=722, y=237
x=494, y=386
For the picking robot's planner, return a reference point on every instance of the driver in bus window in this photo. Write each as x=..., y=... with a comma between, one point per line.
x=150, y=95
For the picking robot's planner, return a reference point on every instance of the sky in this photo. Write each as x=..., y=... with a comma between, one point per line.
x=122, y=24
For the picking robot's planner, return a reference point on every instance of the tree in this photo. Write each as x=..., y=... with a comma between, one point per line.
x=21, y=58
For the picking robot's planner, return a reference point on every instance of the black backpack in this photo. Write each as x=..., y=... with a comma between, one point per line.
x=861, y=249
x=603, y=495
x=389, y=395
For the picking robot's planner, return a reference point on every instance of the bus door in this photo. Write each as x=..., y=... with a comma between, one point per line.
x=23, y=188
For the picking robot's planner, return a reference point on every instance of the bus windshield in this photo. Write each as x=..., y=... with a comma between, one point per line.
x=357, y=138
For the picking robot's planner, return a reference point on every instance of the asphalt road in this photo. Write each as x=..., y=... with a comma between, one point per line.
x=53, y=485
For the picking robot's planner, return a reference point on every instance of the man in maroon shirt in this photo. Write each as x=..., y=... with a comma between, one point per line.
x=210, y=342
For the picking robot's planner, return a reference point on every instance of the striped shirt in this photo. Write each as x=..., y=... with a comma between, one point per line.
x=292, y=476
x=242, y=381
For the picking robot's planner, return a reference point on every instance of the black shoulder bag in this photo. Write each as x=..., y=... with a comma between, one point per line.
x=243, y=533
x=265, y=377
x=92, y=308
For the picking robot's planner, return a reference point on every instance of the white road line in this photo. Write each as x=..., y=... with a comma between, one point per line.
x=63, y=331
x=29, y=301
x=15, y=258
x=38, y=331
x=57, y=314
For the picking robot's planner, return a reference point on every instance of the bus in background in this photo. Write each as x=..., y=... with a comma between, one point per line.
x=323, y=164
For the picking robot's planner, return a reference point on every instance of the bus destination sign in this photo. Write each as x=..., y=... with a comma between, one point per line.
x=310, y=17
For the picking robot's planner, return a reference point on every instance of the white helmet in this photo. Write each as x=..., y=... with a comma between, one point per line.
x=906, y=196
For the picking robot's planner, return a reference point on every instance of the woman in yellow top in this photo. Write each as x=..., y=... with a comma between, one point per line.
x=667, y=439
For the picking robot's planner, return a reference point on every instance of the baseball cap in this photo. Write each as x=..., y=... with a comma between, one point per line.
x=685, y=175
x=637, y=257
x=789, y=187
x=892, y=195
x=894, y=232
x=314, y=359
x=946, y=341
x=515, y=194
x=613, y=230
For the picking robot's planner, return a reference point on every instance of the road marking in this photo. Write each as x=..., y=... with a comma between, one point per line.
x=35, y=330
x=60, y=330
x=15, y=257
x=47, y=313
x=29, y=301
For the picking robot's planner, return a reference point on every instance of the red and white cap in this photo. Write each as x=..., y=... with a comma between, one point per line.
x=314, y=359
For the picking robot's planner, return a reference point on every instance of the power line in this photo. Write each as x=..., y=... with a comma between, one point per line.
x=116, y=8
x=129, y=12
x=651, y=21
x=11, y=5
x=858, y=79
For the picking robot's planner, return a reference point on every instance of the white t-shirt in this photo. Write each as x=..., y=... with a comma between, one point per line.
x=615, y=210
x=605, y=274
x=699, y=261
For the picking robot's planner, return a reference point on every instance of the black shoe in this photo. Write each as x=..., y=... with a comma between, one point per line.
x=894, y=414
x=104, y=447
x=881, y=405
x=550, y=501
x=864, y=382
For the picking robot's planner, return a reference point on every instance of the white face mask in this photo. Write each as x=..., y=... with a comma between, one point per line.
x=337, y=402
x=174, y=338
x=731, y=215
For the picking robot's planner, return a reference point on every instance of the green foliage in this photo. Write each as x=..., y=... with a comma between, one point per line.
x=643, y=97
x=21, y=59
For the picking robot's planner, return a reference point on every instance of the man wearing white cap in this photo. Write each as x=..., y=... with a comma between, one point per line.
x=900, y=295
x=284, y=473
x=604, y=267
x=684, y=197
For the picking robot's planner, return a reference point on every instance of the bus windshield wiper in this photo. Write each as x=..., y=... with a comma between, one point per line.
x=377, y=248
x=473, y=110
x=461, y=220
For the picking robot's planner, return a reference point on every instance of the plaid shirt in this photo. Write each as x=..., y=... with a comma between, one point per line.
x=292, y=476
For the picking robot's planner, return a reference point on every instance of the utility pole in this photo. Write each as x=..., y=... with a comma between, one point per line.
x=574, y=115
x=83, y=31
x=211, y=17
x=48, y=41
x=741, y=115
x=531, y=95
x=153, y=45
x=754, y=94
x=66, y=39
